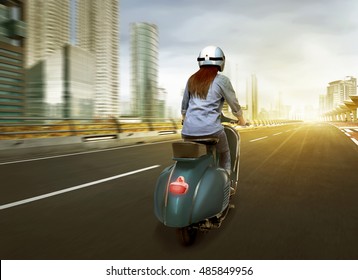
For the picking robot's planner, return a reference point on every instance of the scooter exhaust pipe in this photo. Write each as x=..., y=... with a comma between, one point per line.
x=215, y=222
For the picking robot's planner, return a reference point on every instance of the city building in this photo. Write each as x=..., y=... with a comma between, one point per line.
x=322, y=103
x=97, y=31
x=87, y=24
x=340, y=101
x=48, y=28
x=12, y=74
x=62, y=85
x=161, y=99
x=339, y=91
x=252, y=98
x=144, y=69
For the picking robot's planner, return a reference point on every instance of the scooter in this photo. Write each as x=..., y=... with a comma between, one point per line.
x=194, y=193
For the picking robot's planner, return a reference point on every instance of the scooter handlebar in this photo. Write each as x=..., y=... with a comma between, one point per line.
x=226, y=119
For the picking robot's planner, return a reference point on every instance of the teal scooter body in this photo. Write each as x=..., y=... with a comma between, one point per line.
x=207, y=185
x=194, y=193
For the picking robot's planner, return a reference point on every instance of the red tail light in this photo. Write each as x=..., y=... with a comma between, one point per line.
x=179, y=186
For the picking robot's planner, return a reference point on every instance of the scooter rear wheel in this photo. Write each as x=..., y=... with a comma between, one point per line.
x=187, y=235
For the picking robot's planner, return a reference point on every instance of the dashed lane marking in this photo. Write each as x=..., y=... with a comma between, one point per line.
x=261, y=138
x=257, y=139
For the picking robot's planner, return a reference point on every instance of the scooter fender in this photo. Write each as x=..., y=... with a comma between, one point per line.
x=160, y=192
x=212, y=196
x=168, y=207
x=208, y=188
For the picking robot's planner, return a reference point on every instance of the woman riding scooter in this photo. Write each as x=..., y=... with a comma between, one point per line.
x=194, y=193
x=203, y=100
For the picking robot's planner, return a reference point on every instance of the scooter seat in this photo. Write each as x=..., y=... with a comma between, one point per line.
x=204, y=140
x=188, y=150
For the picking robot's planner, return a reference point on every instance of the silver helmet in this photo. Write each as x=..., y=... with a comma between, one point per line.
x=212, y=55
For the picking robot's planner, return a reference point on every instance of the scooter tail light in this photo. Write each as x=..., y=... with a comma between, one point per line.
x=179, y=186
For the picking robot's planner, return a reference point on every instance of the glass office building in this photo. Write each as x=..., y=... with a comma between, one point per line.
x=97, y=31
x=90, y=25
x=62, y=86
x=144, y=69
x=12, y=75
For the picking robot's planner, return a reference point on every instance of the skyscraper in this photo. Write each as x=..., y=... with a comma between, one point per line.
x=12, y=76
x=144, y=69
x=48, y=28
x=90, y=25
x=252, y=97
x=97, y=31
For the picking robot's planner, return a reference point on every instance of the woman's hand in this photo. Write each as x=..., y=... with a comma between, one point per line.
x=242, y=121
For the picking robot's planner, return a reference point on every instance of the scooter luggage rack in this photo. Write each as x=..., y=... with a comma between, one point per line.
x=193, y=148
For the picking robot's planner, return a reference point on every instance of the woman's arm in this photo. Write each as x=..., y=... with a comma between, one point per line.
x=230, y=97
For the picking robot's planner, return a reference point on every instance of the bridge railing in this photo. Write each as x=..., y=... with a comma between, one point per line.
x=17, y=128
x=12, y=128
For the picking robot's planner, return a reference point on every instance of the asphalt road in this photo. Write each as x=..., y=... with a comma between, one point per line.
x=297, y=199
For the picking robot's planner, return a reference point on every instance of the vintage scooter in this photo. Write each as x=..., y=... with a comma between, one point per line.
x=194, y=193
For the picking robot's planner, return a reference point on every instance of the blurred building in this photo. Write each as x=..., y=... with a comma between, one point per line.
x=62, y=85
x=161, y=99
x=252, y=98
x=48, y=28
x=322, y=103
x=144, y=69
x=89, y=25
x=339, y=91
x=12, y=74
x=97, y=31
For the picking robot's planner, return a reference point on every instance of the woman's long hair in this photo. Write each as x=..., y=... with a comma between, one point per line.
x=199, y=83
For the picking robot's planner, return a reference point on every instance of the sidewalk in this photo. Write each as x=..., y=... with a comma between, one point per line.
x=56, y=149
x=348, y=128
x=344, y=124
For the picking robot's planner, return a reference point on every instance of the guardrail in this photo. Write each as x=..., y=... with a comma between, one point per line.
x=16, y=128
x=19, y=133
x=12, y=128
x=272, y=122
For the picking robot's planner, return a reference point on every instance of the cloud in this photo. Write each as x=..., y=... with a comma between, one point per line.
x=296, y=47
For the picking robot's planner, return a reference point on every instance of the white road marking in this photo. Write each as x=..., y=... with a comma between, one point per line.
x=81, y=153
x=277, y=133
x=346, y=131
x=32, y=199
x=257, y=139
x=354, y=140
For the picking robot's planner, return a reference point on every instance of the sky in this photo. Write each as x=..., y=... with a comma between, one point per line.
x=294, y=47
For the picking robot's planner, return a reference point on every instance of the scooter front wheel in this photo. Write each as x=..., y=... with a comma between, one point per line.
x=187, y=235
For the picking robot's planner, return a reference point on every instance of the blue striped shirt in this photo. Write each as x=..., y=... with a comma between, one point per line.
x=202, y=116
